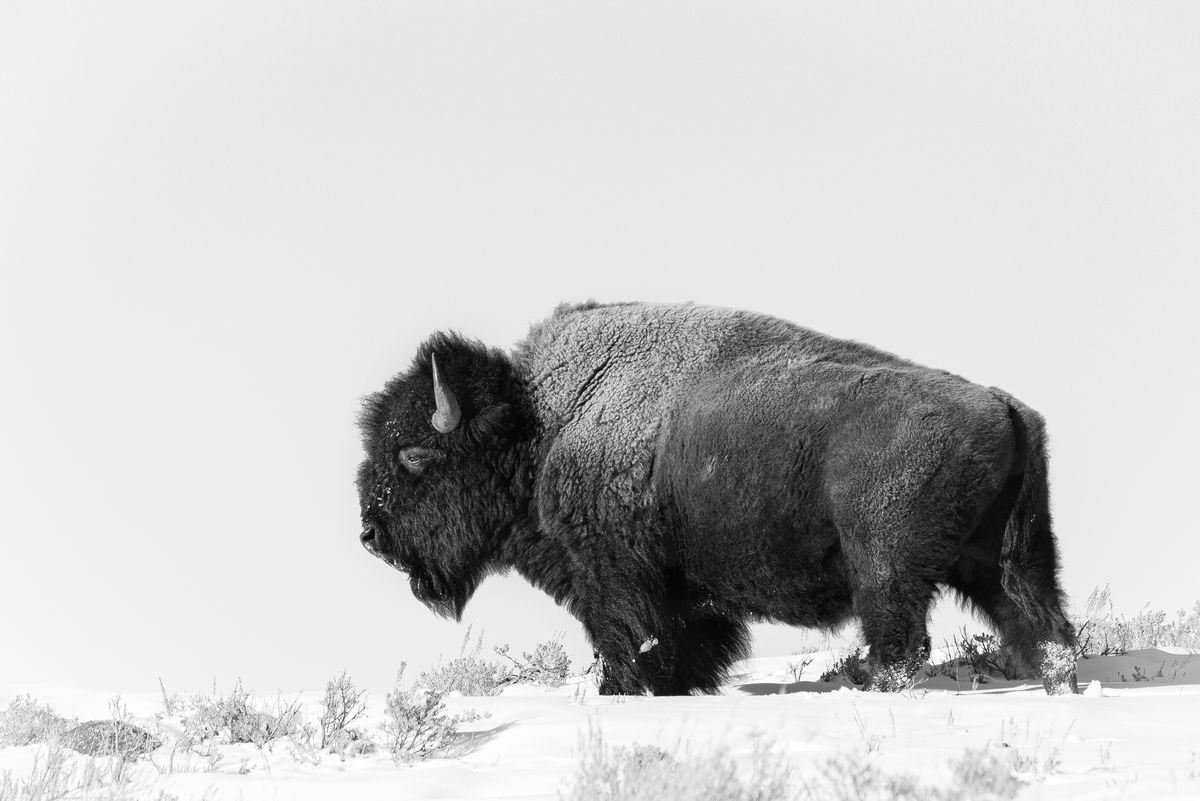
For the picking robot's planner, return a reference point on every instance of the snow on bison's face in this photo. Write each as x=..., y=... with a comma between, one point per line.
x=439, y=487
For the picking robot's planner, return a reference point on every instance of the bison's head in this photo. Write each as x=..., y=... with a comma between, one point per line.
x=444, y=478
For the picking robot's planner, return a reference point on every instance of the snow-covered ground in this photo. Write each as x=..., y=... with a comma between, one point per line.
x=1122, y=739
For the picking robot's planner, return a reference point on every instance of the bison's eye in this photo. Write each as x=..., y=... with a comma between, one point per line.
x=416, y=459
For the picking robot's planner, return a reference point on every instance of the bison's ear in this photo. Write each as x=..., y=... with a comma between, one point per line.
x=474, y=390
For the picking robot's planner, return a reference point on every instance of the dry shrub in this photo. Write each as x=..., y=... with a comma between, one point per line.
x=26, y=722
x=1101, y=631
x=59, y=774
x=416, y=723
x=342, y=705
x=981, y=655
x=468, y=674
x=978, y=775
x=238, y=718
x=548, y=665
x=852, y=665
x=648, y=773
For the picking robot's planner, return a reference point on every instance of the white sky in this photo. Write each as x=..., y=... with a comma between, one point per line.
x=221, y=224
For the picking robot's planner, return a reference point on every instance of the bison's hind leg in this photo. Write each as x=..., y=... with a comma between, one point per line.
x=1023, y=601
x=1036, y=637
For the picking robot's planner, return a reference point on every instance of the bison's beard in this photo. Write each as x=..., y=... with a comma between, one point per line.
x=448, y=607
x=440, y=596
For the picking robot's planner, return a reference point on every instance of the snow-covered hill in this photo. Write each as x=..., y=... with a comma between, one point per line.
x=1124, y=738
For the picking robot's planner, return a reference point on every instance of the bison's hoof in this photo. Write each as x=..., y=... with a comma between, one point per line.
x=1068, y=687
x=896, y=677
x=1058, y=669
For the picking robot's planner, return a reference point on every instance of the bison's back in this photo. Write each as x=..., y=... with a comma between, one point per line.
x=593, y=361
x=603, y=379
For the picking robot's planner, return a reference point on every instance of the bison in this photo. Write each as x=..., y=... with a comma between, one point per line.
x=671, y=473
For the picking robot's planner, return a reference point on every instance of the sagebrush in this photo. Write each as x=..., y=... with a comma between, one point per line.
x=979, y=656
x=343, y=705
x=25, y=722
x=1100, y=630
x=470, y=674
x=852, y=665
x=239, y=718
x=651, y=773
x=58, y=773
x=417, y=724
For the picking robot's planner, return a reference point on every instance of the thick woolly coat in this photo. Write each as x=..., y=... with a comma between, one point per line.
x=678, y=471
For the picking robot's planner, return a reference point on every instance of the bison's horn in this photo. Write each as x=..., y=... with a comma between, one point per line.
x=446, y=418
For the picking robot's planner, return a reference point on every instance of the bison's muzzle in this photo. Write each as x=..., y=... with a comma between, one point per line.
x=372, y=543
x=427, y=587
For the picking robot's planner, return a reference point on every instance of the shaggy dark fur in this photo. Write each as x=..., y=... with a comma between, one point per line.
x=672, y=473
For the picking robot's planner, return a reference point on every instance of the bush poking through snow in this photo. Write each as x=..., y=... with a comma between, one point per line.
x=1030, y=754
x=981, y=655
x=416, y=724
x=547, y=665
x=468, y=674
x=891, y=678
x=1101, y=632
x=172, y=704
x=236, y=719
x=796, y=669
x=648, y=773
x=59, y=774
x=851, y=666
x=26, y=722
x=342, y=705
x=978, y=775
x=897, y=677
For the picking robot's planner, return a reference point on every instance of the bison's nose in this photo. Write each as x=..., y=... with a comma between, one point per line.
x=368, y=540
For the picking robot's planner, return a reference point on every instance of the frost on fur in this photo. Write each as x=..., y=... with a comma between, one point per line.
x=1058, y=669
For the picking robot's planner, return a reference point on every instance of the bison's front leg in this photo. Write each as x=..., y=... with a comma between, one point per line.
x=616, y=642
x=611, y=678
x=650, y=668
x=652, y=655
x=691, y=655
x=701, y=651
x=893, y=607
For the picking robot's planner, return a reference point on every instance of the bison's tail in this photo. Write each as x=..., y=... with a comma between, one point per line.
x=1029, y=518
